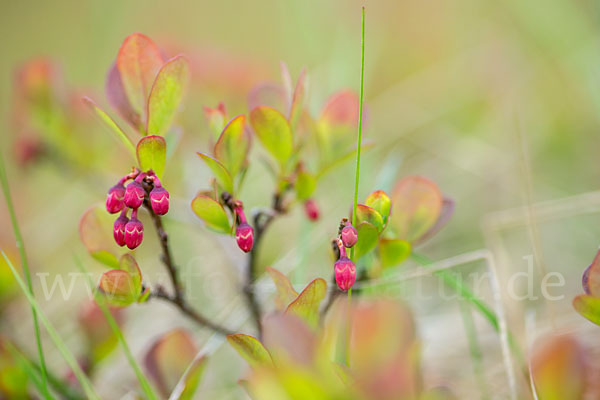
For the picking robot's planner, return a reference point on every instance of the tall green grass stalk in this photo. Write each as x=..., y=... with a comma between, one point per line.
x=26, y=272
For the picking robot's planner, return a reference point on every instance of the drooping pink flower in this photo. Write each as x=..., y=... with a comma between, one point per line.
x=135, y=193
x=119, y=228
x=134, y=231
x=159, y=198
x=349, y=235
x=244, y=233
x=311, y=208
x=344, y=270
x=114, y=198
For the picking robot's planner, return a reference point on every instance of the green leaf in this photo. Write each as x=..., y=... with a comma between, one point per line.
x=118, y=288
x=380, y=202
x=417, y=206
x=166, y=94
x=138, y=62
x=112, y=125
x=393, y=252
x=152, y=154
x=306, y=184
x=188, y=384
x=95, y=231
x=221, y=174
x=370, y=215
x=591, y=277
x=588, y=306
x=273, y=131
x=212, y=213
x=285, y=291
x=367, y=239
x=233, y=145
x=306, y=305
x=250, y=349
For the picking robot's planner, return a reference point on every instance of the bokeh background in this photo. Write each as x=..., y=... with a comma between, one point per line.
x=497, y=102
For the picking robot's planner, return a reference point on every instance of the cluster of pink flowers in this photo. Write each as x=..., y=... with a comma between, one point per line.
x=130, y=231
x=344, y=268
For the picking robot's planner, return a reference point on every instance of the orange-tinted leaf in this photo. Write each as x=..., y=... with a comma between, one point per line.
x=166, y=94
x=233, y=145
x=117, y=98
x=138, y=62
x=340, y=112
x=152, y=154
x=445, y=214
x=417, y=206
x=285, y=291
x=591, y=277
x=250, y=349
x=306, y=305
x=96, y=233
x=118, y=288
x=380, y=202
x=367, y=214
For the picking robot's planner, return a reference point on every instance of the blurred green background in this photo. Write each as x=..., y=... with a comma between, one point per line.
x=497, y=102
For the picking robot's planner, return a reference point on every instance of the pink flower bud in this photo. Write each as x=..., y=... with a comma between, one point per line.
x=244, y=235
x=349, y=235
x=134, y=231
x=114, y=198
x=134, y=195
x=159, y=199
x=345, y=273
x=312, y=209
x=119, y=228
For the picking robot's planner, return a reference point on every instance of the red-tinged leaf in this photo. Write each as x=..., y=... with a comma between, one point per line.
x=233, y=145
x=340, y=112
x=588, y=306
x=393, y=252
x=306, y=305
x=417, y=206
x=285, y=291
x=297, y=104
x=273, y=131
x=289, y=338
x=367, y=239
x=188, y=384
x=591, y=277
x=112, y=125
x=559, y=369
x=127, y=263
x=250, y=349
x=166, y=94
x=138, y=62
x=96, y=233
x=268, y=94
x=445, y=214
x=212, y=213
x=152, y=154
x=216, y=118
x=380, y=202
x=118, y=288
x=221, y=174
x=117, y=98
x=168, y=359
x=367, y=214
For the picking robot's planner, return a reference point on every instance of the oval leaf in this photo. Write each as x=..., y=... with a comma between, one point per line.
x=445, y=214
x=588, y=306
x=285, y=291
x=117, y=98
x=393, y=252
x=221, y=174
x=273, y=131
x=417, y=206
x=152, y=154
x=212, y=213
x=138, y=62
x=250, y=349
x=119, y=288
x=370, y=215
x=166, y=94
x=233, y=145
x=367, y=239
x=380, y=202
x=96, y=233
x=306, y=305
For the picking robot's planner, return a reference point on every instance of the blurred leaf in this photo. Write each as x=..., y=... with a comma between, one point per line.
x=172, y=138
x=273, y=131
x=138, y=62
x=268, y=94
x=445, y=214
x=212, y=213
x=96, y=233
x=233, y=145
x=306, y=305
x=250, y=349
x=169, y=358
x=297, y=104
x=216, y=118
x=101, y=339
x=187, y=386
x=285, y=291
x=380, y=202
x=13, y=379
x=340, y=112
x=305, y=185
x=370, y=215
x=393, y=252
x=118, y=288
x=588, y=306
x=591, y=277
x=152, y=154
x=558, y=369
x=417, y=206
x=221, y=174
x=166, y=94
x=111, y=124
x=367, y=239
x=117, y=98
x=289, y=339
